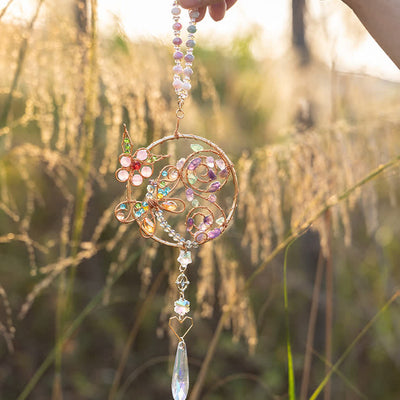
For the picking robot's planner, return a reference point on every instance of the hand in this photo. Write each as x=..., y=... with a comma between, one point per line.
x=216, y=8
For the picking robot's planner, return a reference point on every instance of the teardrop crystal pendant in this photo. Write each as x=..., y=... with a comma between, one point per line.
x=180, y=376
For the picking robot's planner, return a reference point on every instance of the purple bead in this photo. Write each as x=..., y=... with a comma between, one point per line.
x=212, y=175
x=194, y=164
x=223, y=173
x=177, y=26
x=214, y=187
x=178, y=55
x=214, y=233
x=207, y=220
x=189, y=194
x=190, y=223
x=189, y=57
x=201, y=237
x=177, y=41
x=212, y=198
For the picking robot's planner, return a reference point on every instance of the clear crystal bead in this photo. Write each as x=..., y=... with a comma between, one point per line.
x=185, y=257
x=180, y=375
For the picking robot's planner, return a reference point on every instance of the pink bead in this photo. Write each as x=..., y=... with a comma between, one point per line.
x=189, y=57
x=177, y=84
x=125, y=161
x=137, y=180
x=188, y=71
x=177, y=41
x=220, y=164
x=177, y=69
x=177, y=26
x=178, y=55
x=146, y=171
x=186, y=86
x=142, y=155
x=123, y=175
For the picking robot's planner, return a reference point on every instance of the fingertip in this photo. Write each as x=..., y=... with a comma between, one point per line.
x=188, y=3
x=230, y=3
x=202, y=11
x=217, y=11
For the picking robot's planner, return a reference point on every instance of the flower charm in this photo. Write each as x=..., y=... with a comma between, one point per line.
x=137, y=167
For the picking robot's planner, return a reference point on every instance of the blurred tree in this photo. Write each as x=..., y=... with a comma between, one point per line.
x=299, y=31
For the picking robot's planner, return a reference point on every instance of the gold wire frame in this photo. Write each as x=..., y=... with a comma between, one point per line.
x=154, y=204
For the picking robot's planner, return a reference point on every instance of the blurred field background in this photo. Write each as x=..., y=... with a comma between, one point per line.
x=84, y=302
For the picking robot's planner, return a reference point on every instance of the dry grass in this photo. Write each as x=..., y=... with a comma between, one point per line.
x=59, y=144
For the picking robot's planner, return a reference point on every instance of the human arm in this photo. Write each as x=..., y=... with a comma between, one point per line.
x=216, y=8
x=382, y=20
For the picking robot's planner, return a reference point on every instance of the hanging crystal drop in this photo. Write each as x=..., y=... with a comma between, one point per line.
x=180, y=376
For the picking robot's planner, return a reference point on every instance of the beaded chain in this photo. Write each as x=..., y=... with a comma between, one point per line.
x=182, y=74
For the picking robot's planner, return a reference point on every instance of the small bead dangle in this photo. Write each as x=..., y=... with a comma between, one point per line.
x=183, y=73
x=180, y=375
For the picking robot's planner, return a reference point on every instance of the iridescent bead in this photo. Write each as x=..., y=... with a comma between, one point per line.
x=212, y=198
x=180, y=163
x=192, y=29
x=178, y=55
x=177, y=84
x=177, y=69
x=177, y=41
x=177, y=26
x=186, y=85
x=188, y=71
x=189, y=57
x=201, y=237
x=176, y=11
x=190, y=43
x=120, y=216
x=194, y=14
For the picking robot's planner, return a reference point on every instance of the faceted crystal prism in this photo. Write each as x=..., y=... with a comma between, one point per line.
x=180, y=376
